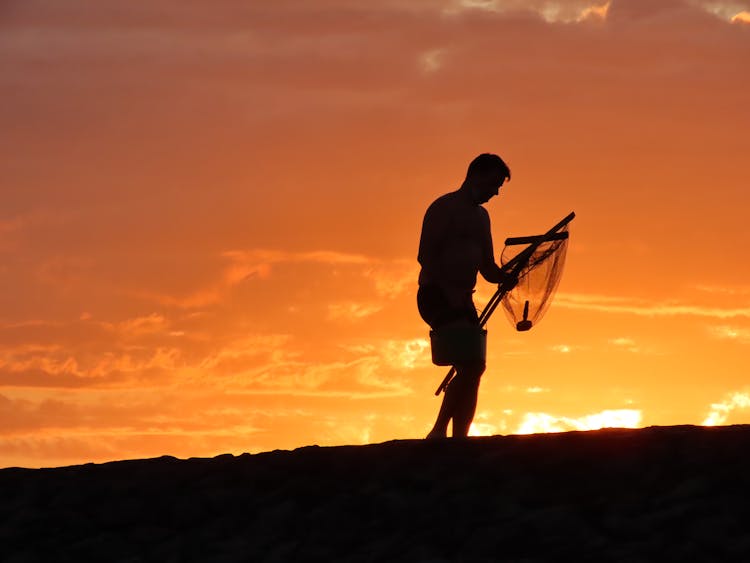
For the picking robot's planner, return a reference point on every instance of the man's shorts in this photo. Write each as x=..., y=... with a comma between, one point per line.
x=436, y=310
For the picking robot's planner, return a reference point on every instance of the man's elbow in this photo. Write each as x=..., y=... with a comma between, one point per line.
x=492, y=274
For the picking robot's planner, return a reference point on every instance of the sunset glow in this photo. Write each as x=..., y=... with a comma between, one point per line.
x=211, y=211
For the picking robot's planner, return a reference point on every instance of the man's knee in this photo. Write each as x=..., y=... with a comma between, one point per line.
x=476, y=369
x=471, y=372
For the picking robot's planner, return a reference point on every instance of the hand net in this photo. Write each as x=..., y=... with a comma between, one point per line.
x=538, y=277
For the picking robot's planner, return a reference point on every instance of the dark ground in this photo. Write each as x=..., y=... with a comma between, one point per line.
x=657, y=494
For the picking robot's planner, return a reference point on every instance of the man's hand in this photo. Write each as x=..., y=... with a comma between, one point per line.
x=508, y=282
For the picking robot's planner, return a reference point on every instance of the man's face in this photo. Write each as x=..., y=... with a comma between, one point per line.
x=487, y=188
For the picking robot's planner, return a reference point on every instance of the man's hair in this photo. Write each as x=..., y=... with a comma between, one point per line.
x=486, y=164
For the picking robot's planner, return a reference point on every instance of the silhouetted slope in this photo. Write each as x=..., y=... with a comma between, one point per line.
x=660, y=493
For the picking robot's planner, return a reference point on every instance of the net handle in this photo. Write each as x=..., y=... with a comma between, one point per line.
x=513, y=266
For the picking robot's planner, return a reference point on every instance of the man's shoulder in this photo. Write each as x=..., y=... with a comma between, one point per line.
x=444, y=201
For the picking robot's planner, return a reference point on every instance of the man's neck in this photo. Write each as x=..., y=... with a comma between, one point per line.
x=467, y=191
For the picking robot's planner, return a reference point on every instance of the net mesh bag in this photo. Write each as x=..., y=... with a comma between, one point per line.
x=538, y=277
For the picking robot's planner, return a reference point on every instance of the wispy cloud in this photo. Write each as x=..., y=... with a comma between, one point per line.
x=57, y=367
x=625, y=343
x=726, y=332
x=393, y=278
x=720, y=412
x=360, y=378
x=586, y=11
x=732, y=291
x=594, y=12
x=139, y=326
x=352, y=311
x=407, y=354
x=640, y=307
x=57, y=432
x=400, y=354
x=548, y=10
x=237, y=352
x=390, y=278
x=431, y=61
x=567, y=348
x=268, y=257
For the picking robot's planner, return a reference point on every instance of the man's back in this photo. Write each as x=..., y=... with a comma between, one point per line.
x=455, y=242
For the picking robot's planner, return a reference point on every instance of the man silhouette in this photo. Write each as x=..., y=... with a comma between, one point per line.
x=456, y=244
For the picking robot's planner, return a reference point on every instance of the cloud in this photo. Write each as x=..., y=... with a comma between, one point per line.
x=431, y=61
x=551, y=11
x=485, y=424
x=75, y=426
x=537, y=422
x=240, y=352
x=726, y=332
x=342, y=274
x=730, y=291
x=286, y=372
x=351, y=311
x=399, y=354
x=624, y=343
x=741, y=17
x=595, y=12
x=488, y=423
x=268, y=257
x=583, y=11
x=139, y=326
x=57, y=367
x=88, y=334
x=640, y=307
x=87, y=352
x=407, y=354
x=720, y=412
x=393, y=278
x=115, y=412
x=258, y=264
x=566, y=348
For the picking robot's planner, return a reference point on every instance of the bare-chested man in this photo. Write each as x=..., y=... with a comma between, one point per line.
x=455, y=245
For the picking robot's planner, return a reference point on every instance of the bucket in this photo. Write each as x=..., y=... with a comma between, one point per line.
x=458, y=345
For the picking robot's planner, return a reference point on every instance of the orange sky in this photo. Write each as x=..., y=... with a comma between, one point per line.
x=210, y=214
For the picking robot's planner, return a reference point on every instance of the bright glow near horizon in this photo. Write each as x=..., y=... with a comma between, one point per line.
x=535, y=423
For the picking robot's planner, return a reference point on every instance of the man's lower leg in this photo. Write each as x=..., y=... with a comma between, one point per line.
x=447, y=410
x=466, y=404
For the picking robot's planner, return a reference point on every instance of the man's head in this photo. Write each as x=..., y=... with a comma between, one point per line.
x=485, y=175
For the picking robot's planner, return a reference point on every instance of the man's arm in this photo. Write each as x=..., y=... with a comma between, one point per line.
x=488, y=267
